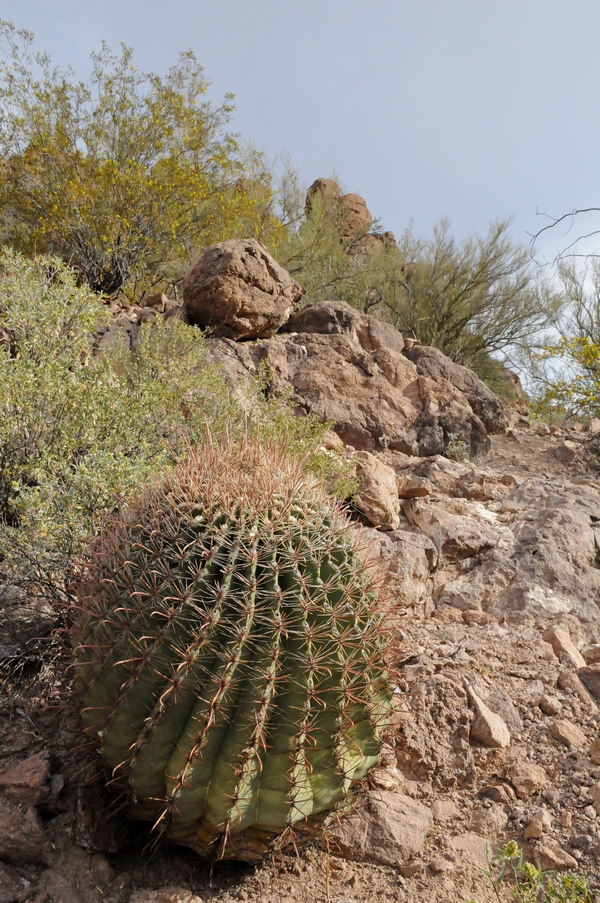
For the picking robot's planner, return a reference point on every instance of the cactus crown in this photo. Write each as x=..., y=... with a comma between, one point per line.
x=230, y=651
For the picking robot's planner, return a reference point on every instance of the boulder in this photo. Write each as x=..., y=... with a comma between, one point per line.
x=237, y=290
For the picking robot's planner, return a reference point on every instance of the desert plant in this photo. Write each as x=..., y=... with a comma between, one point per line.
x=230, y=652
x=529, y=883
x=124, y=177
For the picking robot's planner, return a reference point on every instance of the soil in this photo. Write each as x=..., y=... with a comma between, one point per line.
x=89, y=852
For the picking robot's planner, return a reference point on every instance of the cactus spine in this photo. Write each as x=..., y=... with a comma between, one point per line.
x=230, y=652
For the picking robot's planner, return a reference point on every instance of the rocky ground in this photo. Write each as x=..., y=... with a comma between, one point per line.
x=495, y=573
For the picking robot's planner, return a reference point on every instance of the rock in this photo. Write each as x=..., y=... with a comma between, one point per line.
x=158, y=302
x=550, y=705
x=500, y=702
x=357, y=217
x=338, y=318
x=566, y=452
x=592, y=654
x=590, y=678
x=560, y=641
x=455, y=536
x=388, y=778
x=22, y=836
x=595, y=793
x=29, y=781
x=432, y=363
x=527, y=778
x=539, y=823
x=549, y=855
x=411, y=487
x=595, y=752
x=239, y=291
x=594, y=425
x=568, y=680
x=487, y=728
x=376, y=495
x=568, y=733
x=390, y=829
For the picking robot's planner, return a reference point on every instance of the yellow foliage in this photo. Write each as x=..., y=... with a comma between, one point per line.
x=127, y=176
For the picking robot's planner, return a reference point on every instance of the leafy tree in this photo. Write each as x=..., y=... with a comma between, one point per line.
x=125, y=176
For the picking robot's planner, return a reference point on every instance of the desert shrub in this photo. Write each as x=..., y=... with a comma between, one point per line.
x=126, y=175
x=82, y=431
x=568, y=369
x=531, y=884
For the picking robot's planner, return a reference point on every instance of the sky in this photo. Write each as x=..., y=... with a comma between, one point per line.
x=465, y=109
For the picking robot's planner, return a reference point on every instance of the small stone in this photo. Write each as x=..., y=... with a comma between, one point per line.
x=527, y=778
x=487, y=728
x=590, y=677
x=28, y=782
x=550, y=705
x=549, y=856
x=388, y=778
x=561, y=641
x=568, y=680
x=499, y=793
x=542, y=429
x=595, y=795
x=595, y=752
x=566, y=452
x=331, y=441
x=439, y=865
x=412, y=487
x=568, y=733
x=540, y=823
x=591, y=654
x=481, y=618
x=22, y=835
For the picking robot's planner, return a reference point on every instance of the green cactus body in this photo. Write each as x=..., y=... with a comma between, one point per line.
x=230, y=653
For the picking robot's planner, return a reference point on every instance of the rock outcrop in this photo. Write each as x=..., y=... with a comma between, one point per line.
x=237, y=290
x=348, y=367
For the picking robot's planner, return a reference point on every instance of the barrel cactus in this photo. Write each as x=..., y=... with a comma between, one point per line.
x=230, y=652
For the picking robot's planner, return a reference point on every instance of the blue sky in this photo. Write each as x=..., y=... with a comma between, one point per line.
x=470, y=109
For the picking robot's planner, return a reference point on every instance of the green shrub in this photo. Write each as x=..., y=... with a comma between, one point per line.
x=530, y=884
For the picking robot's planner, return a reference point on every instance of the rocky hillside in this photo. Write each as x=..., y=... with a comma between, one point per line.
x=489, y=527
